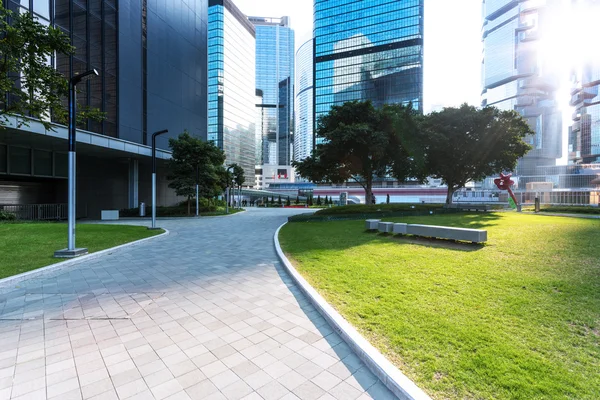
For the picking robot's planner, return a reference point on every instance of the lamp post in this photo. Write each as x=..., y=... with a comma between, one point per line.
x=154, y=135
x=197, y=187
x=227, y=191
x=71, y=251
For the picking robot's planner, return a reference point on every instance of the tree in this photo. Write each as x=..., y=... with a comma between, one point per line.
x=469, y=144
x=195, y=161
x=387, y=199
x=34, y=88
x=279, y=200
x=297, y=200
x=287, y=202
x=319, y=200
x=238, y=178
x=361, y=142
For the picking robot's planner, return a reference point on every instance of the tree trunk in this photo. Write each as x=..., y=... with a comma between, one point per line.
x=369, y=191
x=450, y=193
x=189, y=204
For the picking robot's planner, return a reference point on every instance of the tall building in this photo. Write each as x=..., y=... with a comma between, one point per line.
x=275, y=79
x=368, y=50
x=231, y=89
x=151, y=59
x=303, y=134
x=517, y=75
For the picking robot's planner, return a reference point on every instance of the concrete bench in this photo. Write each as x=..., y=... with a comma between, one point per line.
x=372, y=224
x=446, y=232
x=109, y=215
x=386, y=227
x=399, y=229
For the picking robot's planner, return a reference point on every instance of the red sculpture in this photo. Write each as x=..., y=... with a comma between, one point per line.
x=504, y=183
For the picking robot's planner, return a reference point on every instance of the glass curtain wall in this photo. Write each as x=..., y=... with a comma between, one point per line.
x=275, y=79
x=231, y=89
x=368, y=50
x=303, y=134
x=92, y=27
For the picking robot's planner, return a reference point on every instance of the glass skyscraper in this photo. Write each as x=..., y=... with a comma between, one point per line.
x=368, y=50
x=516, y=75
x=231, y=89
x=275, y=81
x=584, y=143
x=303, y=135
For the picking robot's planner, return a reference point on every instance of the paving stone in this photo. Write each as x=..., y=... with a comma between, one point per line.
x=186, y=317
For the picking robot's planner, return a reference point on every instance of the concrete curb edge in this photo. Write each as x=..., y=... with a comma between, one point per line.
x=398, y=383
x=39, y=272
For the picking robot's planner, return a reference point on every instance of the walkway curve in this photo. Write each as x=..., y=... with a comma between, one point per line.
x=207, y=312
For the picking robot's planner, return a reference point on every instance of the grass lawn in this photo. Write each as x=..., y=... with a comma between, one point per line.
x=28, y=246
x=517, y=318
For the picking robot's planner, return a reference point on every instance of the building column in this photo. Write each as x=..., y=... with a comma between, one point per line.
x=134, y=183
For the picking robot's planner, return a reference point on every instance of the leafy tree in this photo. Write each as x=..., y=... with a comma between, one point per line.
x=469, y=144
x=362, y=142
x=193, y=158
x=34, y=88
x=238, y=178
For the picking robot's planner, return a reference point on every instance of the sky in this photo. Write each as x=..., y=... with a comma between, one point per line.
x=452, y=44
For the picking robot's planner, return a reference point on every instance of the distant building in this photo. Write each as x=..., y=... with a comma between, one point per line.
x=275, y=79
x=303, y=135
x=368, y=50
x=516, y=76
x=231, y=88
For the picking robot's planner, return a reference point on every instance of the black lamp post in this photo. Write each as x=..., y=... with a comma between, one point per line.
x=71, y=250
x=227, y=191
x=154, y=135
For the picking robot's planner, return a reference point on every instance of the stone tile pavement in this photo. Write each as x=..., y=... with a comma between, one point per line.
x=204, y=313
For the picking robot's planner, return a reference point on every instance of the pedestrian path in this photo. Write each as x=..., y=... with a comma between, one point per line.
x=206, y=312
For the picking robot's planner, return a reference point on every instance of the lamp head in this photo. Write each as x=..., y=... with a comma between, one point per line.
x=79, y=77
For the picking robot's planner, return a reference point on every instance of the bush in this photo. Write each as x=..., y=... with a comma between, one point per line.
x=7, y=216
x=377, y=208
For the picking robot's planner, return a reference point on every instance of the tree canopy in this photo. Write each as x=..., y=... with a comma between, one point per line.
x=33, y=87
x=469, y=144
x=195, y=161
x=361, y=142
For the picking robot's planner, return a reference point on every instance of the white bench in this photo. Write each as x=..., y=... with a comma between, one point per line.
x=109, y=215
x=431, y=231
x=372, y=224
x=386, y=227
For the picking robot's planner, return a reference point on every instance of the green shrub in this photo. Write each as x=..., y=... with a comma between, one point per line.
x=7, y=216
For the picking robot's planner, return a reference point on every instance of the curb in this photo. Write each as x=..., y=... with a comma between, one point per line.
x=398, y=383
x=5, y=283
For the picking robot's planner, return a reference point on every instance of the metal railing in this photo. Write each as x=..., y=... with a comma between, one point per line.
x=36, y=212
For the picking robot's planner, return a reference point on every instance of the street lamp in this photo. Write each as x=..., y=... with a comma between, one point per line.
x=154, y=135
x=227, y=191
x=197, y=187
x=71, y=251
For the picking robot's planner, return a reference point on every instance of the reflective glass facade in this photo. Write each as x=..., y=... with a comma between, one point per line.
x=231, y=89
x=368, y=50
x=303, y=134
x=515, y=75
x=151, y=58
x=275, y=80
x=584, y=143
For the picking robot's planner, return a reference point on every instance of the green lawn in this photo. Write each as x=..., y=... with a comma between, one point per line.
x=28, y=246
x=517, y=318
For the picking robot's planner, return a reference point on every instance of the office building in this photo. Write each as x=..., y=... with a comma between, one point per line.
x=151, y=58
x=231, y=89
x=368, y=50
x=517, y=75
x=303, y=133
x=275, y=81
x=584, y=143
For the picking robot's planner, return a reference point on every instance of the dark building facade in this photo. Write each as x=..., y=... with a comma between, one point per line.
x=368, y=50
x=152, y=62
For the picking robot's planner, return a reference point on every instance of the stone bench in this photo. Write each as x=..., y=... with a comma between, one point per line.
x=386, y=227
x=431, y=231
x=446, y=232
x=372, y=224
x=109, y=215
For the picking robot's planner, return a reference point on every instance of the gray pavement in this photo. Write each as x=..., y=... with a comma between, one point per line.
x=204, y=313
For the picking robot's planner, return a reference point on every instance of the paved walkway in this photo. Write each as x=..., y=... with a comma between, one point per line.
x=204, y=313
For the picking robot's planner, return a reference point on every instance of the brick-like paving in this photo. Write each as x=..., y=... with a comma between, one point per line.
x=204, y=313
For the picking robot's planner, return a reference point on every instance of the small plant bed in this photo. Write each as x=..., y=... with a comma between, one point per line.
x=28, y=246
x=571, y=210
x=179, y=211
x=517, y=318
x=377, y=208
